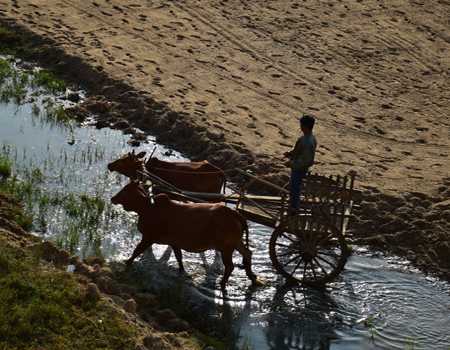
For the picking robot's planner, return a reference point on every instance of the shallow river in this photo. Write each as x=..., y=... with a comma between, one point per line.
x=377, y=303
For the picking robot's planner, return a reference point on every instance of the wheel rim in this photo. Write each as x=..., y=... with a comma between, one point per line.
x=311, y=254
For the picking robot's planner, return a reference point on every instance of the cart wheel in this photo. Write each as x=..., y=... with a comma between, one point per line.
x=306, y=251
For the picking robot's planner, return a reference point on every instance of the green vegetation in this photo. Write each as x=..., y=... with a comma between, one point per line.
x=6, y=70
x=16, y=83
x=45, y=308
x=48, y=81
x=81, y=214
x=12, y=212
x=13, y=83
x=5, y=167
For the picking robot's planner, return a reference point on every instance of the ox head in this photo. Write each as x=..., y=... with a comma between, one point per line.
x=129, y=164
x=133, y=197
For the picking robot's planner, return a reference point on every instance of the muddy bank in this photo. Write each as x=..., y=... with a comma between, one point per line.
x=103, y=307
x=410, y=224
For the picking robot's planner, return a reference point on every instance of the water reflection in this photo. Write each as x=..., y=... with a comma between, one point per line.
x=300, y=319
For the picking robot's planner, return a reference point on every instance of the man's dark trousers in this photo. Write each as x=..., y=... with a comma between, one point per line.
x=297, y=177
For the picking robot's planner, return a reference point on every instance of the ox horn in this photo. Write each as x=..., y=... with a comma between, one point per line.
x=153, y=151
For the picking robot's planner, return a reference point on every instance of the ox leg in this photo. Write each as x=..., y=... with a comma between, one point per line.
x=227, y=258
x=140, y=248
x=179, y=257
x=247, y=261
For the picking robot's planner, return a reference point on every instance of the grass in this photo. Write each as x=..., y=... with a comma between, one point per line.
x=43, y=308
x=44, y=79
x=16, y=84
x=5, y=70
x=82, y=214
x=5, y=167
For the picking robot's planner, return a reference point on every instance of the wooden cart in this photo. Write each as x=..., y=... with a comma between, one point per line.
x=307, y=246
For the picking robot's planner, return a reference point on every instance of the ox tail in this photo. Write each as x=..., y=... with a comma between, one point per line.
x=224, y=183
x=246, y=252
x=244, y=229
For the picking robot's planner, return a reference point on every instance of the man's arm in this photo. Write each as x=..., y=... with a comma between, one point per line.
x=291, y=154
x=288, y=154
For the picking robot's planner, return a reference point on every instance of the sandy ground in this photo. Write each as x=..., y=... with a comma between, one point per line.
x=375, y=73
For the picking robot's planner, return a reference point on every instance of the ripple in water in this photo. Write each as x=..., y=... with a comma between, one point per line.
x=377, y=303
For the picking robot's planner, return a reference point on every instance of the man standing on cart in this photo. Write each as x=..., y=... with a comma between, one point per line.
x=301, y=159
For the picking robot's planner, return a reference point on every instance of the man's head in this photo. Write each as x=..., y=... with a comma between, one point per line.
x=307, y=123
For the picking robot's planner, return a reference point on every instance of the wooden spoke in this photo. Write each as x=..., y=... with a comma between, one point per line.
x=313, y=271
x=310, y=263
x=296, y=266
x=291, y=251
x=325, y=261
x=283, y=244
x=292, y=259
x=320, y=266
x=284, y=234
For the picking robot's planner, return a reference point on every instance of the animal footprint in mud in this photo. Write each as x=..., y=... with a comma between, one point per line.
x=272, y=124
x=360, y=119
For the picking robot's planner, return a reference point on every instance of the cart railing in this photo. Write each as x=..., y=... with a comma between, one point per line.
x=333, y=195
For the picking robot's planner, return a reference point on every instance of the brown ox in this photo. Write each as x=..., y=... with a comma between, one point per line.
x=188, y=176
x=189, y=226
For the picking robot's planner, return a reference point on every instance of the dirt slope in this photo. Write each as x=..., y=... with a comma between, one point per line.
x=375, y=73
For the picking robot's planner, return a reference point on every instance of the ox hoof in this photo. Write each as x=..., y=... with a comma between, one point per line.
x=223, y=286
x=183, y=273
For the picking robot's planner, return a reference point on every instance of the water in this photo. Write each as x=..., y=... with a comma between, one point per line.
x=73, y=160
x=377, y=302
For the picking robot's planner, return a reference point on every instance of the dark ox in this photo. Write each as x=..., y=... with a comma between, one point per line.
x=194, y=227
x=188, y=176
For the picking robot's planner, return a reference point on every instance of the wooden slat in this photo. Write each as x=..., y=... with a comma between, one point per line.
x=276, y=187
